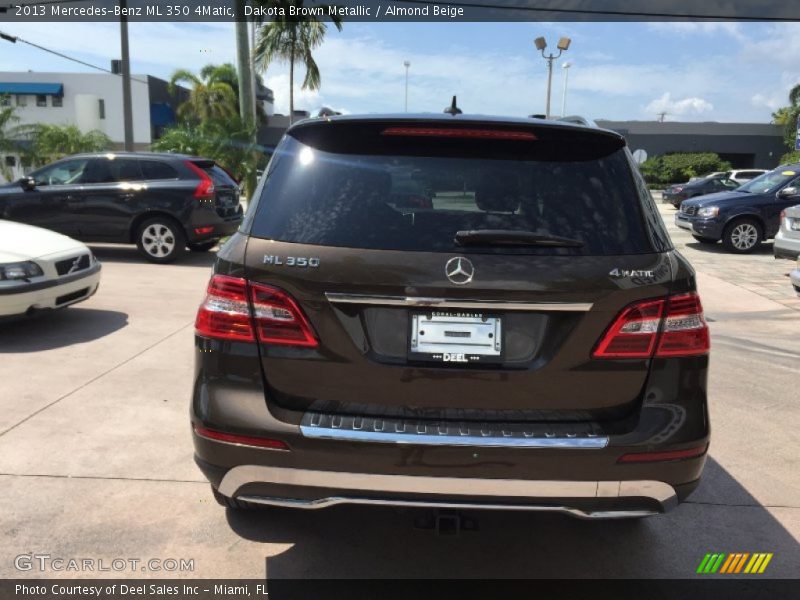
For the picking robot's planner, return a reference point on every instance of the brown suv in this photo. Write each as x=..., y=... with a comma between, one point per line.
x=525, y=338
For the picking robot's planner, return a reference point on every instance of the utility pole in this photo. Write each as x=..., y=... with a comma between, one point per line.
x=247, y=106
x=661, y=116
x=127, y=110
x=406, y=64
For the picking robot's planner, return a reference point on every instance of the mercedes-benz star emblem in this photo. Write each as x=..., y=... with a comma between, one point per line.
x=459, y=270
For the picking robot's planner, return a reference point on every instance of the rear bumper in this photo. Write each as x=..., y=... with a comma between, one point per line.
x=785, y=246
x=322, y=489
x=571, y=467
x=205, y=224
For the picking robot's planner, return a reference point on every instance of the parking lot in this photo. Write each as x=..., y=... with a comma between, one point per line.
x=96, y=457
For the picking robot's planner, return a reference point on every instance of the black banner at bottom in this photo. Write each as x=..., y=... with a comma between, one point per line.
x=396, y=589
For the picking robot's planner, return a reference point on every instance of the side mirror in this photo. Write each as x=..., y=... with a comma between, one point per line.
x=788, y=192
x=28, y=184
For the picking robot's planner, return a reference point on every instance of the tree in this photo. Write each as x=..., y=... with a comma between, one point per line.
x=212, y=95
x=227, y=141
x=42, y=143
x=8, y=118
x=292, y=40
x=788, y=115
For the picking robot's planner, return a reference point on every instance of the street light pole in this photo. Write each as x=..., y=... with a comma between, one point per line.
x=566, y=67
x=406, y=64
x=541, y=44
x=127, y=110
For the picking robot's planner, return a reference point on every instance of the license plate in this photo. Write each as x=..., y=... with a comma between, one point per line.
x=455, y=337
x=794, y=224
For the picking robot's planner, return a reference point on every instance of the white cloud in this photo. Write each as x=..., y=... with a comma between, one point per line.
x=689, y=28
x=679, y=108
x=772, y=102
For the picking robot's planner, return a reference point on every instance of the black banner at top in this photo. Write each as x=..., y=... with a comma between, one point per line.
x=398, y=10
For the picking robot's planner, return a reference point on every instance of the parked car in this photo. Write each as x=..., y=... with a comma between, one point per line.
x=531, y=341
x=787, y=240
x=712, y=175
x=795, y=277
x=41, y=270
x=744, y=217
x=742, y=176
x=161, y=202
x=675, y=194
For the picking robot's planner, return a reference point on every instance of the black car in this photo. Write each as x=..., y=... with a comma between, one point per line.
x=161, y=202
x=744, y=217
x=528, y=340
x=675, y=194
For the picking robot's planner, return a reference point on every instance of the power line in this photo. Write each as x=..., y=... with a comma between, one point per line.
x=14, y=39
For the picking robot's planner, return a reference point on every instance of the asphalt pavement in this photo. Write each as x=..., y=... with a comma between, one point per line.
x=96, y=456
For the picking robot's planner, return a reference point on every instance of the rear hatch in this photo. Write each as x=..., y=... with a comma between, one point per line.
x=219, y=183
x=486, y=304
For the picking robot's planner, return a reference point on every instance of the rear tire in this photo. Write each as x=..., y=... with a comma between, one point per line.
x=160, y=240
x=742, y=236
x=203, y=246
x=704, y=240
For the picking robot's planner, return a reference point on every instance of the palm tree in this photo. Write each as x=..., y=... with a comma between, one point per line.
x=227, y=141
x=46, y=143
x=292, y=41
x=212, y=95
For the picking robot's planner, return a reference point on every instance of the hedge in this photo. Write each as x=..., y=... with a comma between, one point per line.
x=670, y=168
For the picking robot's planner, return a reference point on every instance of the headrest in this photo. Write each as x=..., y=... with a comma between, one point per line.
x=498, y=193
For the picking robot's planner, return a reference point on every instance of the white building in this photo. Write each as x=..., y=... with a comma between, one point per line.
x=89, y=101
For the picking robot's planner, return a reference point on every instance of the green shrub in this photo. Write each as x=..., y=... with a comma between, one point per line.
x=790, y=157
x=678, y=167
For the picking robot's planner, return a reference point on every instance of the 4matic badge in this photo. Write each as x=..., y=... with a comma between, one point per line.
x=631, y=273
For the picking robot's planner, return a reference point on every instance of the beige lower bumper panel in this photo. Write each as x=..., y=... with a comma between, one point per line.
x=510, y=494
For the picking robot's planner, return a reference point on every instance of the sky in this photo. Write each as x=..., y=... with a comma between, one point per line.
x=717, y=71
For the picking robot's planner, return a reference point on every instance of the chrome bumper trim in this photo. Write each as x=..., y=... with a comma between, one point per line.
x=337, y=500
x=446, y=439
x=507, y=489
x=467, y=304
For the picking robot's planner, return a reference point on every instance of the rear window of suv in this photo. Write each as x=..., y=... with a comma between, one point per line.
x=416, y=194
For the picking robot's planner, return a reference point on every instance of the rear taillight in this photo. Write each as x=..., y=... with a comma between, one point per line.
x=236, y=309
x=278, y=319
x=245, y=440
x=685, y=332
x=663, y=455
x=204, y=189
x=660, y=328
x=225, y=314
x=447, y=132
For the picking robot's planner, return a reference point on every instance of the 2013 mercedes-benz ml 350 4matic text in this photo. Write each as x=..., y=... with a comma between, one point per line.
x=526, y=339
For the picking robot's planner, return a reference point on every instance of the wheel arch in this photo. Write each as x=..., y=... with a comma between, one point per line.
x=139, y=219
x=746, y=215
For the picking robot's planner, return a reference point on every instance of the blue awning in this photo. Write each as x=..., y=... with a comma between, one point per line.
x=161, y=114
x=37, y=89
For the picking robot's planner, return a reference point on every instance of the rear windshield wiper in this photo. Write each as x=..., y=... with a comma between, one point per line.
x=511, y=237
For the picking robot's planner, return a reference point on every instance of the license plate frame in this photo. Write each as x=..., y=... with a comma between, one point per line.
x=455, y=337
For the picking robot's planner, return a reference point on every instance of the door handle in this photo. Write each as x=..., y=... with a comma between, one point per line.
x=127, y=196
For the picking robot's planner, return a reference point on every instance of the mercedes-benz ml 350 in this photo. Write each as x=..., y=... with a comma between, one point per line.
x=526, y=337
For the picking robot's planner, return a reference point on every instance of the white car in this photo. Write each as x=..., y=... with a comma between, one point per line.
x=41, y=269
